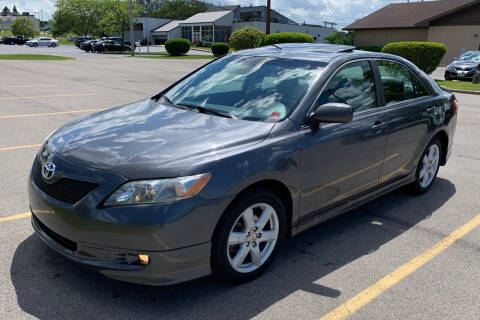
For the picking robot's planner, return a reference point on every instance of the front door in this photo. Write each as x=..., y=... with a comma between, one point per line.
x=339, y=161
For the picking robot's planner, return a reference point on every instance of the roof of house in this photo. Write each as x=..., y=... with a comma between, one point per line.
x=206, y=17
x=409, y=15
x=169, y=26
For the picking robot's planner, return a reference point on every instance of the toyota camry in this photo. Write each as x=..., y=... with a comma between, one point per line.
x=212, y=174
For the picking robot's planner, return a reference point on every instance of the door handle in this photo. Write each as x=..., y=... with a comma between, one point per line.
x=431, y=110
x=379, y=125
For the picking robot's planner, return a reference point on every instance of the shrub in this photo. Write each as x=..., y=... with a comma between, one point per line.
x=24, y=27
x=177, y=46
x=246, y=38
x=220, y=49
x=287, y=37
x=370, y=48
x=339, y=38
x=426, y=55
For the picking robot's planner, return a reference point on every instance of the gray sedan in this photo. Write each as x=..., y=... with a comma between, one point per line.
x=212, y=174
x=42, y=42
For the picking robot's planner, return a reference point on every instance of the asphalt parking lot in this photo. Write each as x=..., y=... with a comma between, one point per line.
x=398, y=257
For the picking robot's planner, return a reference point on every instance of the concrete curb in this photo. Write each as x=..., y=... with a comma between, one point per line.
x=464, y=91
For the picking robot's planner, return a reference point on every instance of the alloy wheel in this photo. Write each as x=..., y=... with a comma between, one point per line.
x=430, y=163
x=253, y=238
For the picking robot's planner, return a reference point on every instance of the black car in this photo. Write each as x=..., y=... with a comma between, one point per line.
x=464, y=67
x=80, y=40
x=87, y=45
x=110, y=45
x=18, y=40
x=211, y=174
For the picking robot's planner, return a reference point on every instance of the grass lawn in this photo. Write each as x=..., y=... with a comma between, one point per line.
x=65, y=42
x=166, y=56
x=33, y=57
x=5, y=33
x=461, y=85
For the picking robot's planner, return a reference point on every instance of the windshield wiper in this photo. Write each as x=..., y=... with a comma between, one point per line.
x=210, y=111
x=330, y=91
x=170, y=102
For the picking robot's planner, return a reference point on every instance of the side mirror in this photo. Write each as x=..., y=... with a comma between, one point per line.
x=333, y=113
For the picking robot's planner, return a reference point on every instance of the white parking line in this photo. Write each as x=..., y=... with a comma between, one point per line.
x=52, y=96
x=30, y=86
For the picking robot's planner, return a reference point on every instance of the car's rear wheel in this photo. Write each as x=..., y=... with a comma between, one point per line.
x=428, y=166
x=248, y=237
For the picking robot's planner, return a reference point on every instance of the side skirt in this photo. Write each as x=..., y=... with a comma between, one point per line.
x=322, y=216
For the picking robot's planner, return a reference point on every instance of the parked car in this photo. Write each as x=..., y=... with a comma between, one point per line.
x=43, y=42
x=110, y=45
x=80, y=40
x=87, y=45
x=464, y=67
x=212, y=174
x=18, y=40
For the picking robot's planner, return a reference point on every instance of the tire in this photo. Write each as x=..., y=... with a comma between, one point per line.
x=233, y=226
x=35, y=45
x=425, y=179
x=53, y=45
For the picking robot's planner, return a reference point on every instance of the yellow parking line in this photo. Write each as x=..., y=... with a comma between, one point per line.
x=20, y=147
x=354, y=304
x=31, y=86
x=52, y=96
x=48, y=113
x=15, y=217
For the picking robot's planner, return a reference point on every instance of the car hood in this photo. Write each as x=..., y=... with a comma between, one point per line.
x=465, y=64
x=148, y=139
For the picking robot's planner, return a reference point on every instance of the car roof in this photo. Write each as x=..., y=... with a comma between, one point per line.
x=309, y=51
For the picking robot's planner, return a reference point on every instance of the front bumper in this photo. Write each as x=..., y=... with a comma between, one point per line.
x=455, y=74
x=176, y=236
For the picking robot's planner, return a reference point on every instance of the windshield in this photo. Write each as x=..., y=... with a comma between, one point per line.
x=247, y=87
x=470, y=56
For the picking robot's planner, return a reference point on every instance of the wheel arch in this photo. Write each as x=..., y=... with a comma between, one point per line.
x=443, y=137
x=275, y=186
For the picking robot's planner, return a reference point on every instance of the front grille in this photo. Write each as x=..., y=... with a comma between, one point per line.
x=69, y=244
x=65, y=190
x=464, y=68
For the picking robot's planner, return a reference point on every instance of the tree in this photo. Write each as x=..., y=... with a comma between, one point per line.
x=5, y=11
x=179, y=9
x=338, y=38
x=24, y=27
x=81, y=17
x=15, y=11
x=116, y=16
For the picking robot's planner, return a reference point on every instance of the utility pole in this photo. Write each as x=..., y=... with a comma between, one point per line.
x=148, y=28
x=132, y=36
x=267, y=26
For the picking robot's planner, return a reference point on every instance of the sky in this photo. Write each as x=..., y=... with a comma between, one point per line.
x=342, y=12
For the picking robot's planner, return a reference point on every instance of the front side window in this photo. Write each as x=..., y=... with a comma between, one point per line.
x=354, y=85
x=247, y=87
x=397, y=82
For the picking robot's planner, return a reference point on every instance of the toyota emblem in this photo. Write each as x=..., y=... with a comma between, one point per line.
x=48, y=170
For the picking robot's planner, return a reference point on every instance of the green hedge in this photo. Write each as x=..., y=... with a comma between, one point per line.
x=220, y=49
x=370, y=48
x=287, y=37
x=246, y=38
x=426, y=55
x=177, y=46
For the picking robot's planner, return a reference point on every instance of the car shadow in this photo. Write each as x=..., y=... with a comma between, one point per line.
x=49, y=286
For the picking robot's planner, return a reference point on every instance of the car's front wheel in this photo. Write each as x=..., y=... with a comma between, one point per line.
x=248, y=237
x=35, y=45
x=428, y=166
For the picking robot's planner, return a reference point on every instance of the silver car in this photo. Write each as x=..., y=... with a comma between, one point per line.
x=45, y=42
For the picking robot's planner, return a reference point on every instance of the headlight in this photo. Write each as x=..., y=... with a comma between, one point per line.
x=450, y=68
x=158, y=191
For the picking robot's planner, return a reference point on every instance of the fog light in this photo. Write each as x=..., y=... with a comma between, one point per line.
x=143, y=259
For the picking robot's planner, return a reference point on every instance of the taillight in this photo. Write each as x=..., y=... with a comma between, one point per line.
x=455, y=106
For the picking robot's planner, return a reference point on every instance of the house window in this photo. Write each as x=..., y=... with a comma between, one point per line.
x=207, y=33
x=222, y=33
x=251, y=16
x=138, y=27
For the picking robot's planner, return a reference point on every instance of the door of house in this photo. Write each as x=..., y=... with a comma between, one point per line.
x=196, y=37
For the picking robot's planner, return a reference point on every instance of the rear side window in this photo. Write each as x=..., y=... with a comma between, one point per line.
x=353, y=84
x=399, y=83
x=420, y=90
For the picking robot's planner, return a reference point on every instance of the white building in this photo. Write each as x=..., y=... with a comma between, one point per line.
x=218, y=23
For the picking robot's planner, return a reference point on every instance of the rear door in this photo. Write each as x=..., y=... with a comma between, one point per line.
x=412, y=111
x=342, y=160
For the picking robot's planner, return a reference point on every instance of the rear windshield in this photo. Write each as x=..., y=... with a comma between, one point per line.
x=247, y=87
